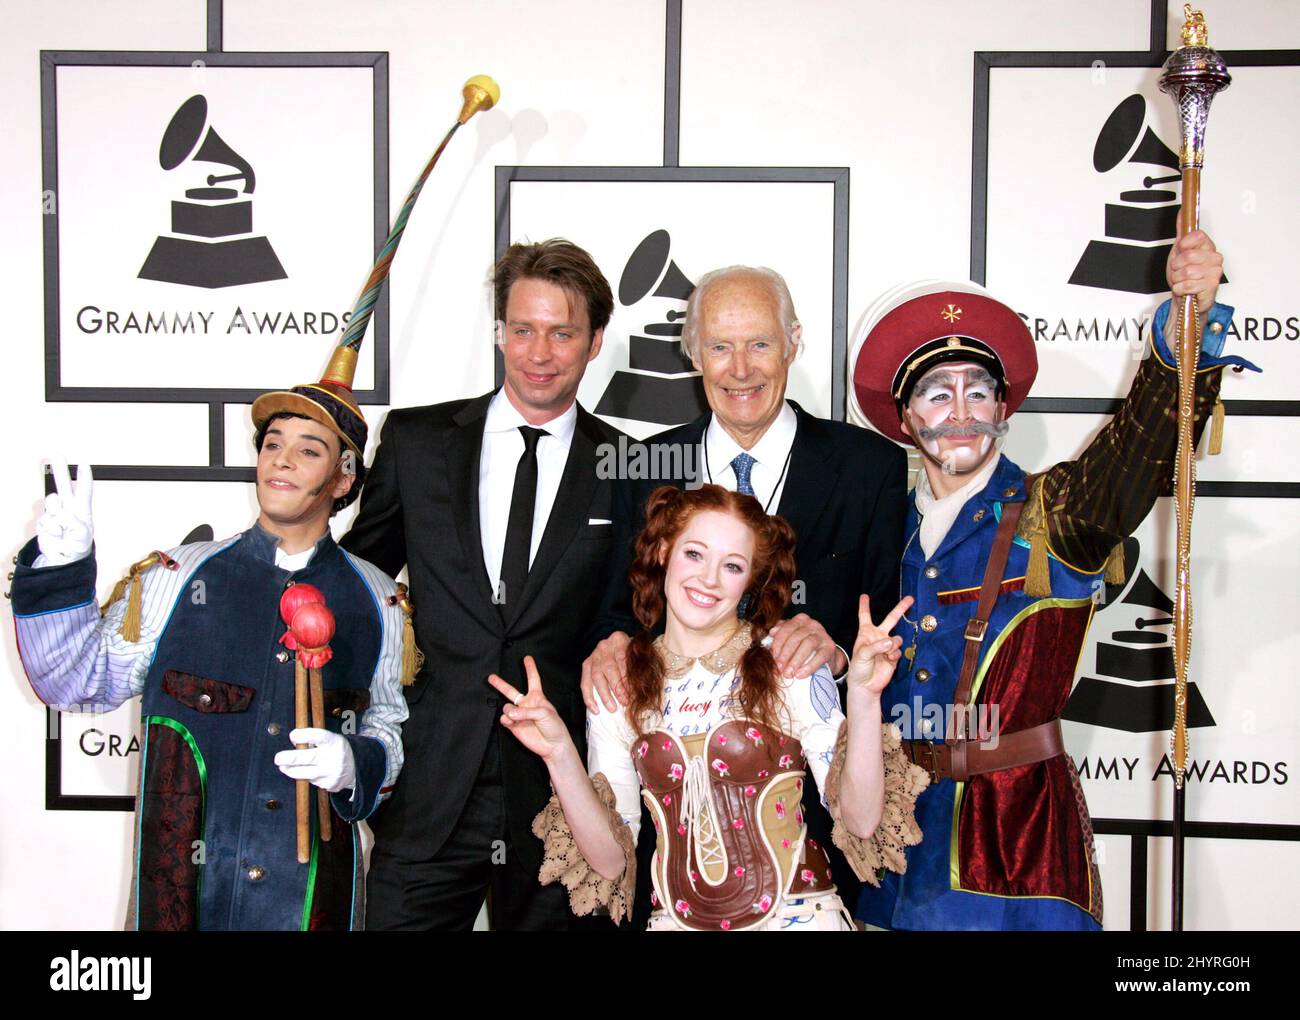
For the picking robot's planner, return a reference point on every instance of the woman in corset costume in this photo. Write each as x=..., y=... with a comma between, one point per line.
x=718, y=743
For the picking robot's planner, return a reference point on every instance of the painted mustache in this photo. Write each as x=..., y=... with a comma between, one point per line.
x=996, y=429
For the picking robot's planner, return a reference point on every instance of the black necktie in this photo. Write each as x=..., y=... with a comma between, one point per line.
x=519, y=528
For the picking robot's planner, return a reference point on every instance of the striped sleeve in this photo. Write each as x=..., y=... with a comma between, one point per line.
x=378, y=743
x=1096, y=501
x=76, y=660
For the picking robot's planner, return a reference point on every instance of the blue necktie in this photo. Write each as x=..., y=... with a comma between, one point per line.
x=742, y=465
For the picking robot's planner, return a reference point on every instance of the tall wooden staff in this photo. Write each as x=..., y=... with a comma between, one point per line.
x=1192, y=75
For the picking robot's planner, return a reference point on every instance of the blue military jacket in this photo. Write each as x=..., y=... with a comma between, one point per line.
x=215, y=838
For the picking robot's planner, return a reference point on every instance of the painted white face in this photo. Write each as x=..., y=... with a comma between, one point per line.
x=954, y=415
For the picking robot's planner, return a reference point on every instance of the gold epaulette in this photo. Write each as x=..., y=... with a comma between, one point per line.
x=131, y=587
x=412, y=657
x=1033, y=529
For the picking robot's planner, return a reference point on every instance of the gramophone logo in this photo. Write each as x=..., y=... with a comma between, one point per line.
x=659, y=385
x=210, y=243
x=1135, y=691
x=1142, y=225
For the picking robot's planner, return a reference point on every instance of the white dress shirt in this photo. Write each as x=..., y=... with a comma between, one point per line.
x=503, y=445
x=771, y=457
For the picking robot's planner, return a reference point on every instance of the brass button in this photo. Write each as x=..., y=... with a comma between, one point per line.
x=931, y=571
x=273, y=729
x=922, y=675
x=336, y=712
x=205, y=700
x=281, y=656
x=1008, y=492
x=290, y=583
x=256, y=873
x=928, y=623
x=1216, y=327
x=979, y=515
x=273, y=805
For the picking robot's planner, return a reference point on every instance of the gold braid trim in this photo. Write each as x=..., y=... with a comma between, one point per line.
x=897, y=829
x=562, y=861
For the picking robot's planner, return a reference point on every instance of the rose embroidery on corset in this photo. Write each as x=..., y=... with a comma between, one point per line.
x=763, y=773
x=668, y=745
x=722, y=739
x=754, y=734
x=785, y=761
x=683, y=908
x=750, y=791
x=780, y=807
x=724, y=924
x=738, y=824
x=763, y=905
x=681, y=830
x=641, y=751
x=675, y=771
x=807, y=875
x=720, y=767
x=740, y=871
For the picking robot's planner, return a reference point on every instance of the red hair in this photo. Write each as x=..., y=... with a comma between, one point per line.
x=667, y=513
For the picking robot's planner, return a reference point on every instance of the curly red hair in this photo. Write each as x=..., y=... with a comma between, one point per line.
x=667, y=513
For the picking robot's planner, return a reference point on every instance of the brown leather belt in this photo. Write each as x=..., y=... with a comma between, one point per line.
x=962, y=759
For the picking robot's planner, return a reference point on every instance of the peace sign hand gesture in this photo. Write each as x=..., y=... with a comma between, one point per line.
x=531, y=718
x=66, y=531
x=875, y=652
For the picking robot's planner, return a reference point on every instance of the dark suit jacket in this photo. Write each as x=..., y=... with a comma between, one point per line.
x=420, y=510
x=845, y=496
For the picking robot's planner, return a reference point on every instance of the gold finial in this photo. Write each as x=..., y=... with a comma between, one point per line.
x=481, y=93
x=1195, y=32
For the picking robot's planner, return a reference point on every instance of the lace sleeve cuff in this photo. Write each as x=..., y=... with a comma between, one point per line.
x=897, y=829
x=562, y=861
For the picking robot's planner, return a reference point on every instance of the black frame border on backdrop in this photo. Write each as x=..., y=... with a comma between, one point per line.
x=985, y=62
x=1140, y=831
x=217, y=397
x=838, y=177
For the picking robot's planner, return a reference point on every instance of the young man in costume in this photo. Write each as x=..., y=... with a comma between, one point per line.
x=198, y=635
x=1004, y=568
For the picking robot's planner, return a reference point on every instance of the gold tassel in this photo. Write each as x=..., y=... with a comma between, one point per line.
x=1033, y=527
x=1216, y=429
x=1038, y=577
x=134, y=597
x=412, y=657
x=133, y=589
x=1115, y=564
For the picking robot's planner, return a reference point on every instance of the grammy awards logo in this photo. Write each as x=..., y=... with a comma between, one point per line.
x=1142, y=225
x=1138, y=697
x=210, y=247
x=659, y=385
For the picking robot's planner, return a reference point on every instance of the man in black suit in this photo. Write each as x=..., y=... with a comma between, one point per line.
x=842, y=489
x=494, y=506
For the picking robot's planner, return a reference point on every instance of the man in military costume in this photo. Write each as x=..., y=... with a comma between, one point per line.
x=197, y=632
x=1004, y=569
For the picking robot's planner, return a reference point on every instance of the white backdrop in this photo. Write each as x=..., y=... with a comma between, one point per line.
x=882, y=89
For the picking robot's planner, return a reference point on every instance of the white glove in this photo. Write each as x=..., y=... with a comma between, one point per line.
x=66, y=531
x=329, y=764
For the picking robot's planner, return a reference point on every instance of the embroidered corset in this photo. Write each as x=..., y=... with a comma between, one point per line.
x=731, y=837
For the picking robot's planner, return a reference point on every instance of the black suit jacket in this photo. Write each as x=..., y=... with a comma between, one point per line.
x=845, y=496
x=420, y=509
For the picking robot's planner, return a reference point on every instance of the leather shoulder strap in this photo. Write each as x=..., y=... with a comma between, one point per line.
x=978, y=625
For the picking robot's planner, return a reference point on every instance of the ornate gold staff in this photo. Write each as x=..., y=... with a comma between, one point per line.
x=1192, y=75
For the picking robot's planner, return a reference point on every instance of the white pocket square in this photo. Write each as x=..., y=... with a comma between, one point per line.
x=598, y=520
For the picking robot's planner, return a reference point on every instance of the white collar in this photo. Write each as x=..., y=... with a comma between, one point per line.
x=503, y=416
x=938, y=513
x=771, y=450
